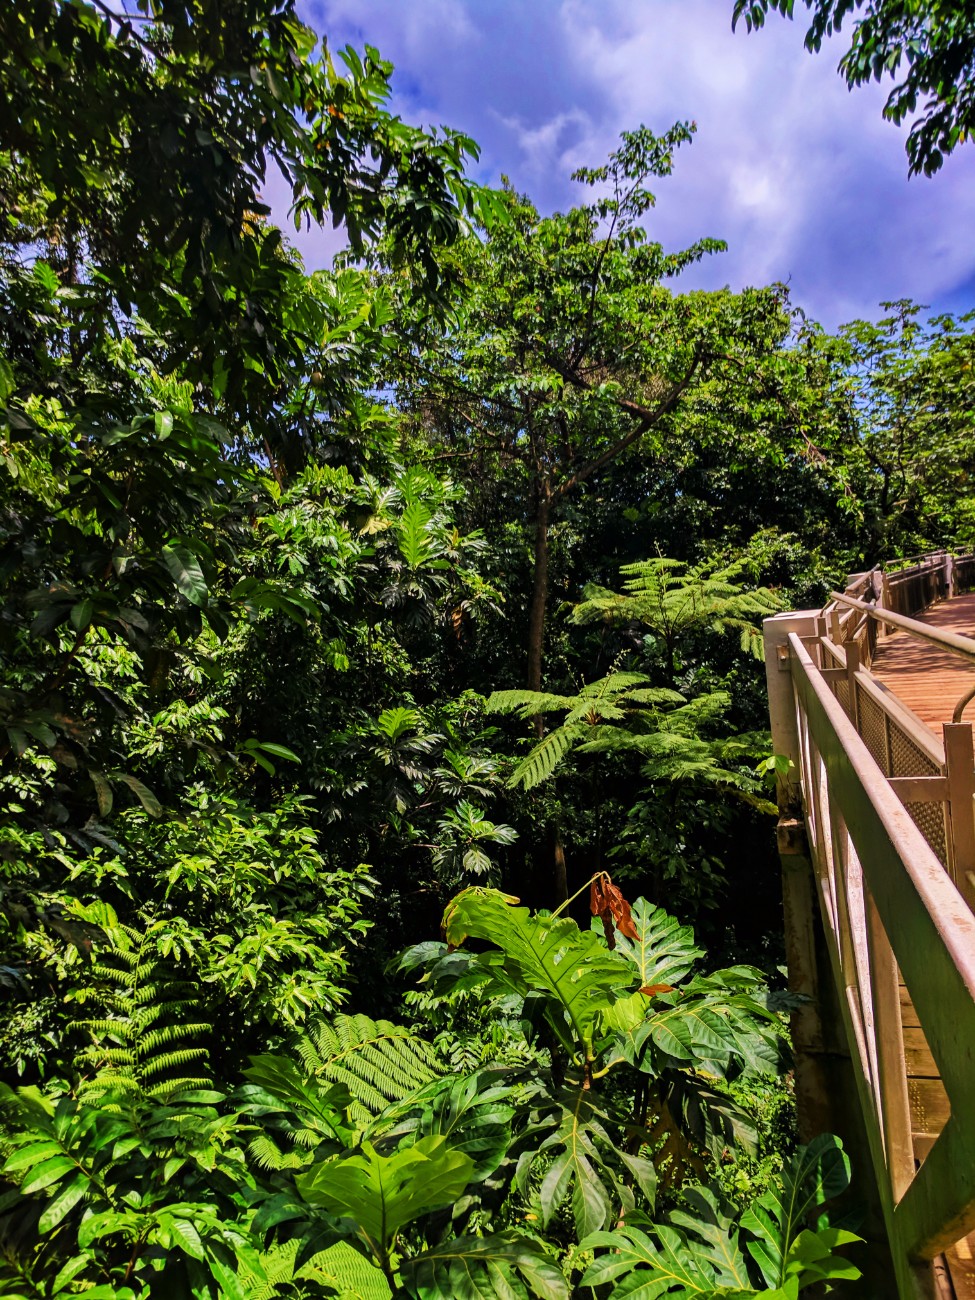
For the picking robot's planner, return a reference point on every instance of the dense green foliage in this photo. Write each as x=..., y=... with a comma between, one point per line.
x=334, y=604
x=928, y=44
x=360, y=1164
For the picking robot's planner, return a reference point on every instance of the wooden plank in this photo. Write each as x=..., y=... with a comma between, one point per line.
x=917, y=1054
x=908, y=1015
x=930, y=1107
x=927, y=679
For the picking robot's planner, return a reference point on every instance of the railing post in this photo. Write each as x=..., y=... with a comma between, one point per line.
x=960, y=771
x=801, y=911
x=895, y=1106
x=852, y=668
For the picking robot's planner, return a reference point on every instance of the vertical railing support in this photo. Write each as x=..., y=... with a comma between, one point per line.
x=852, y=668
x=960, y=771
x=798, y=886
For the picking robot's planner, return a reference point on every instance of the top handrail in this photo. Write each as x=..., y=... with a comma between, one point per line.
x=961, y=645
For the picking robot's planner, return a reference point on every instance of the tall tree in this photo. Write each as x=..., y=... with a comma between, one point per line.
x=566, y=348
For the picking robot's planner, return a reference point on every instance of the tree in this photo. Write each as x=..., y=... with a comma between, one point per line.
x=568, y=350
x=933, y=41
x=898, y=444
x=673, y=605
x=167, y=373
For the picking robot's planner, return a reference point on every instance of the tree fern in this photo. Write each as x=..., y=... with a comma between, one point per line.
x=674, y=600
x=620, y=712
x=615, y=698
x=378, y=1062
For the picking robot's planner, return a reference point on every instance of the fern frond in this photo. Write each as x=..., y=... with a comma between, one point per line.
x=527, y=703
x=163, y=1091
x=172, y=1061
x=375, y=1060
x=544, y=758
x=612, y=684
x=268, y=1155
x=655, y=695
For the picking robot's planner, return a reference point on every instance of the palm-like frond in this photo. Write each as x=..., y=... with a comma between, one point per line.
x=377, y=1061
x=547, y=754
x=527, y=704
x=673, y=599
x=151, y=1035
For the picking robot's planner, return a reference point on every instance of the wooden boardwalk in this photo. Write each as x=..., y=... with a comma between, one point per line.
x=931, y=681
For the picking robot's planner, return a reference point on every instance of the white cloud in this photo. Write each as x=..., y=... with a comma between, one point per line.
x=804, y=179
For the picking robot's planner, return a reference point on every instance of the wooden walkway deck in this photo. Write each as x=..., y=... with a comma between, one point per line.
x=931, y=681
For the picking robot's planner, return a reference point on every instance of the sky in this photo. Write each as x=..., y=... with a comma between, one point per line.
x=803, y=178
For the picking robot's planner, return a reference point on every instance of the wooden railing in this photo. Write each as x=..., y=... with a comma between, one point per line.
x=877, y=824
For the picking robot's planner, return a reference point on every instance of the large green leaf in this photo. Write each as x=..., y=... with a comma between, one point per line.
x=310, y=1110
x=382, y=1194
x=648, y=1268
x=664, y=950
x=710, y=1224
x=504, y=1265
x=719, y=1024
x=544, y=954
x=816, y=1174
x=581, y=1162
x=185, y=569
x=472, y=1112
x=698, y=1253
x=413, y=534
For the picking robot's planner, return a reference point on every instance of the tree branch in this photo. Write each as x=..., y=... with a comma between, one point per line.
x=646, y=418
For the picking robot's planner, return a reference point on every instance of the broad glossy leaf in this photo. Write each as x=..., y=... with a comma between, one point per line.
x=651, y=1267
x=816, y=1174
x=384, y=1193
x=545, y=954
x=503, y=1266
x=32, y=1154
x=62, y=1205
x=664, y=950
x=472, y=1112
x=142, y=792
x=47, y=1173
x=586, y=1166
x=185, y=569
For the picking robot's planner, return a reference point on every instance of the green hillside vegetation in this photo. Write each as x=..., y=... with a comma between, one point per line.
x=388, y=900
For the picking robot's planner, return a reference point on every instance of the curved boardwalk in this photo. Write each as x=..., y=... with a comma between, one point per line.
x=929, y=680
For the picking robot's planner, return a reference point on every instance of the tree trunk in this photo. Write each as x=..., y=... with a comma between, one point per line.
x=561, y=879
x=536, y=617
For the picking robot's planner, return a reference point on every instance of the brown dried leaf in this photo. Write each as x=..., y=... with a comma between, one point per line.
x=607, y=901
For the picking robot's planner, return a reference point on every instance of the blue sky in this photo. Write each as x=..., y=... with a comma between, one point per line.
x=800, y=176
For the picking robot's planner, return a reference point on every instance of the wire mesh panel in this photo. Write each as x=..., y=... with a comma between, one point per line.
x=873, y=728
x=843, y=695
x=930, y=820
x=907, y=758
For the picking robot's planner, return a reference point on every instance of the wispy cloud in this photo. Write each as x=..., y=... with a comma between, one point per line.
x=802, y=178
